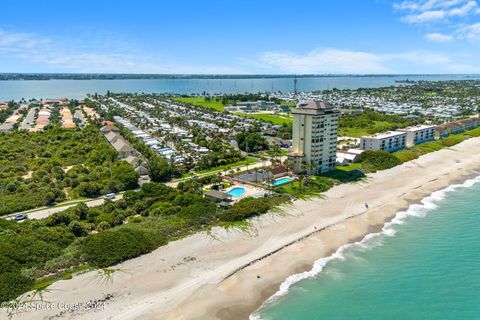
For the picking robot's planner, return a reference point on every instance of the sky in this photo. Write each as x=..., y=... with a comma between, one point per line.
x=240, y=36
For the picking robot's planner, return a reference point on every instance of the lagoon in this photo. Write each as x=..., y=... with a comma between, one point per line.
x=78, y=89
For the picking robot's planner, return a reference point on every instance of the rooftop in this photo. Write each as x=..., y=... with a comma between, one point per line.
x=218, y=194
x=314, y=108
x=417, y=127
x=384, y=135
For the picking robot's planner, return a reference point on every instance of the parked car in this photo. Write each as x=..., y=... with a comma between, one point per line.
x=20, y=217
x=110, y=196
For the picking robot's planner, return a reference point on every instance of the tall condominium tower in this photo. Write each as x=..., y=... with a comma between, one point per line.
x=315, y=127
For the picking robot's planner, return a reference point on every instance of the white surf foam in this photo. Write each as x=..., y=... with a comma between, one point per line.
x=415, y=210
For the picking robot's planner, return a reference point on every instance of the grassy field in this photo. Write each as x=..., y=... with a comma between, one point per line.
x=380, y=126
x=222, y=168
x=306, y=189
x=273, y=118
x=350, y=167
x=201, y=102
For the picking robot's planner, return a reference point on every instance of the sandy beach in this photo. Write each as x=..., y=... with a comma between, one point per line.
x=229, y=274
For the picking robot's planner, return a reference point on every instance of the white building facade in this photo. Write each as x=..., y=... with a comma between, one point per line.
x=314, y=137
x=388, y=141
x=419, y=134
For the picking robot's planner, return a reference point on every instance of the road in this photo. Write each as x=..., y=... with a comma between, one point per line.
x=29, y=119
x=44, y=213
x=79, y=115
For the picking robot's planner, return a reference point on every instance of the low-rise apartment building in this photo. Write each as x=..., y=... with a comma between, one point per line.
x=419, y=134
x=387, y=141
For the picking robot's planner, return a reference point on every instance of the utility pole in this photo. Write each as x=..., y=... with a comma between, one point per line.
x=295, y=86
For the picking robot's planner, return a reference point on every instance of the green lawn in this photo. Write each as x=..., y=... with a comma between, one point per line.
x=201, y=102
x=306, y=189
x=350, y=167
x=223, y=168
x=273, y=118
x=380, y=126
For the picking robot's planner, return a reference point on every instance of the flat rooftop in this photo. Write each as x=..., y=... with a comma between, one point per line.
x=314, y=108
x=384, y=135
x=418, y=127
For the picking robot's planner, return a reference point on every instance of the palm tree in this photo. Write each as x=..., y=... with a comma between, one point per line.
x=314, y=166
x=238, y=173
x=301, y=175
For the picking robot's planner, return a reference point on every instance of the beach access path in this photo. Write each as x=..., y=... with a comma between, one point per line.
x=228, y=274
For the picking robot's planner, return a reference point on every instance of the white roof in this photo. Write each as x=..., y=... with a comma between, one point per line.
x=417, y=128
x=355, y=151
x=384, y=135
x=347, y=156
x=152, y=142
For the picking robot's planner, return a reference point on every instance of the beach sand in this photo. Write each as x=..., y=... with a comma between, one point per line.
x=229, y=274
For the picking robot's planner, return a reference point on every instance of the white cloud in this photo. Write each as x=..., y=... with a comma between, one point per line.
x=438, y=37
x=426, y=5
x=427, y=16
x=323, y=61
x=421, y=58
x=101, y=55
x=470, y=32
x=358, y=62
x=463, y=10
x=430, y=11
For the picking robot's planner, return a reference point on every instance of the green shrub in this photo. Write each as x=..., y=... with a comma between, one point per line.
x=245, y=209
x=406, y=155
x=12, y=284
x=114, y=246
x=28, y=251
x=59, y=235
x=104, y=225
x=377, y=160
x=78, y=229
x=8, y=265
x=163, y=209
x=135, y=219
x=452, y=140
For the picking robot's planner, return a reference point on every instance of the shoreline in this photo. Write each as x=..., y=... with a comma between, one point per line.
x=358, y=233
x=414, y=209
x=234, y=273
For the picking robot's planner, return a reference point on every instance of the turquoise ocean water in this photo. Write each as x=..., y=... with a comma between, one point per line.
x=425, y=264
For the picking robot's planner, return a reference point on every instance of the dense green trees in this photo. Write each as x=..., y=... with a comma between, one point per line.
x=251, y=141
x=39, y=168
x=111, y=233
x=4, y=114
x=374, y=121
x=159, y=169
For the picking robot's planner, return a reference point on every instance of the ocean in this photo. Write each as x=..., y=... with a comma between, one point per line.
x=78, y=89
x=424, y=264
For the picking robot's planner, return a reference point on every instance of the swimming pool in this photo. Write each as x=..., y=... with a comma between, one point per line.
x=237, y=191
x=279, y=182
